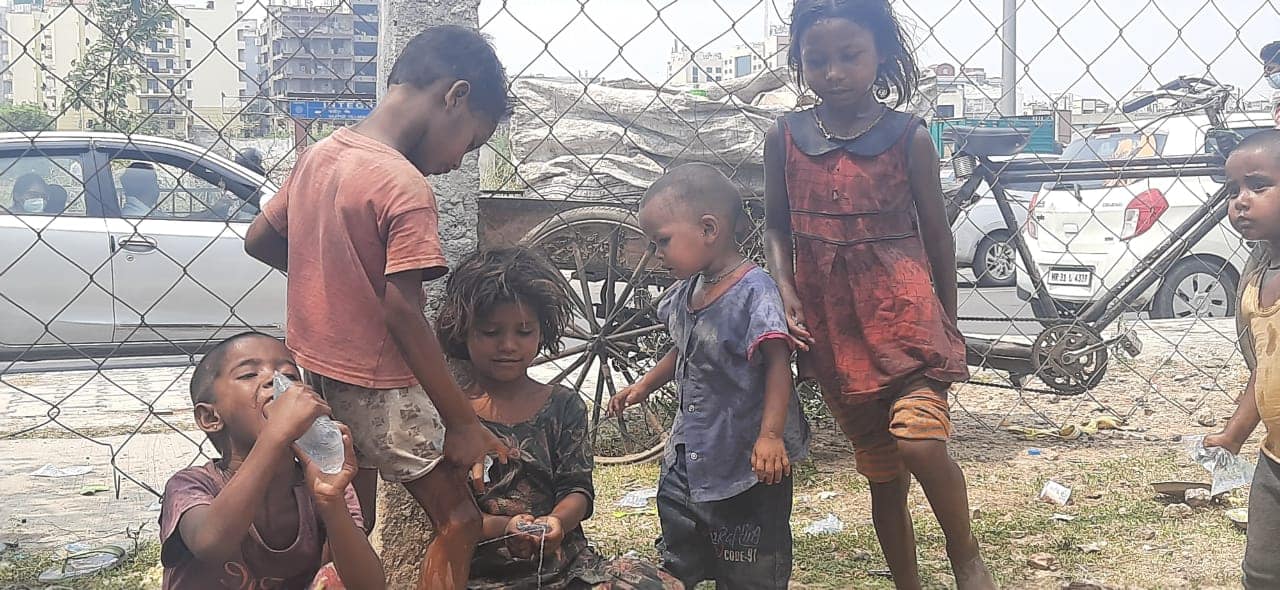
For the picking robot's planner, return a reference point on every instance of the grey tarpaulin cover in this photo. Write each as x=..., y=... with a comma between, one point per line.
x=607, y=142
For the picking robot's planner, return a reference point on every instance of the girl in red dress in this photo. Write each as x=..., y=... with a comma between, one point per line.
x=861, y=250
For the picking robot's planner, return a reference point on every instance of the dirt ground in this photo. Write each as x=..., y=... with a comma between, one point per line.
x=1115, y=533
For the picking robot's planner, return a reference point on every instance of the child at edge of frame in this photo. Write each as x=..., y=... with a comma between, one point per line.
x=1253, y=176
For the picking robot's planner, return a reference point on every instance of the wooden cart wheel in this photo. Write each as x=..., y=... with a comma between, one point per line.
x=616, y=336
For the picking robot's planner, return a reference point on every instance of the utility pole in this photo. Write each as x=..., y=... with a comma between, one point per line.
x=1009, y=69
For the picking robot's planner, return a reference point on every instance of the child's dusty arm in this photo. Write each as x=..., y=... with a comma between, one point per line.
x=661, y=374
x=777, y=386
x=1242, y=422
x=266, y=244
x=939, y=243
x=357, y=563
x=769, y=458
x=213, y=533
x=570, y=511
x=494, y=526
x=466, y=440
x=779, y=250
x=777, y=213
x=421, y=349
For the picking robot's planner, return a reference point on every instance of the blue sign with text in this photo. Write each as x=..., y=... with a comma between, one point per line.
x=345, y=110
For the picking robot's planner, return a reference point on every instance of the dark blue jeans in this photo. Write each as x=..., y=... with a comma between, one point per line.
x=740, y=542
x=1261, y=568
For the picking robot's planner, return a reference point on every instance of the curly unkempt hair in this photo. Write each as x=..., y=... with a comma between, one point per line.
x=493, y=277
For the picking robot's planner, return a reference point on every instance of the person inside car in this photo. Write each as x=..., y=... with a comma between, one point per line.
x=251, y=158
x=56, y=200
x=30, y=192
x=141, y=190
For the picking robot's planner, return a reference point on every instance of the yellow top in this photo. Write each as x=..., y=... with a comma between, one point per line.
x=1264, y=323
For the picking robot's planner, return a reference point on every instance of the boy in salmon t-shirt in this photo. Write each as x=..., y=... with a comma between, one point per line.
x=355, y=227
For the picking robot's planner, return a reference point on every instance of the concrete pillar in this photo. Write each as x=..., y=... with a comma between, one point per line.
x=1009, y=64
x=402, y=529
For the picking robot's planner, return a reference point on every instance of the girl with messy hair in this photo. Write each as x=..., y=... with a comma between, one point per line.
x=502, y=308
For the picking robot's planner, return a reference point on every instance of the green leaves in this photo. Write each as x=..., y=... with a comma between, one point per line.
x=113, y=68
x=24, y=117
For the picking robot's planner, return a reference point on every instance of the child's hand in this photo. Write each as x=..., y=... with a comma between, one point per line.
x=629, y=396
x=293, y=412
x=467, y=445
x=795, y=321
x=769, y=460
x=554, y=534
x=1224, y=441
x=521, y=544
x=330, y=487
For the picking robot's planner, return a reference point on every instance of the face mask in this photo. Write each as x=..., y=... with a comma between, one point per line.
x=33, y=205
x=1274, y=80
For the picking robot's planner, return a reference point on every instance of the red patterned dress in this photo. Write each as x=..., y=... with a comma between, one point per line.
x=861, y=270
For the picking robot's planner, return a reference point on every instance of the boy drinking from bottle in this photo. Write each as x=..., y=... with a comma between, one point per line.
x=263, y=515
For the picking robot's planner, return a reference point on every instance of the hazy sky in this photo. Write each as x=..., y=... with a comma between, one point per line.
x=1093, y=48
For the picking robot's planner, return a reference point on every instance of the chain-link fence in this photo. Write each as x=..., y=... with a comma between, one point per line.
x=148, y=133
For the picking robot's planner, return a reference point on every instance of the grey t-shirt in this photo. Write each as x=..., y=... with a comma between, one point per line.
x=720, y=383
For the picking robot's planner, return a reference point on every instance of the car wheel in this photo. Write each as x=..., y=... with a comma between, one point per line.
x=1196, y=287
x=995, y=262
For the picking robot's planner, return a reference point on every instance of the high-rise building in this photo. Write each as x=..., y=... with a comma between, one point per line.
x=184, y=79
x=365, y=23
x=211, y=65
x=6, y=77
x=255, y=108
x=315, y=51
x=43, y=43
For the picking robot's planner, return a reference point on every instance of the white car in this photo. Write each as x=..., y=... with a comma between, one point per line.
x=982, y=237
x=126, y=246
x=1086, y=236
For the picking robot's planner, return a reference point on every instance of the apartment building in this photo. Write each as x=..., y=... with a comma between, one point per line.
x=183, y=84
x=313, y=50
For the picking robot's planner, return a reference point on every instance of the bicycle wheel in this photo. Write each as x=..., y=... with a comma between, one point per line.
x=615, y=336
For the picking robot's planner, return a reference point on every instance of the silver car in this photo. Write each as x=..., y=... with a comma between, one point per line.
x=982, y=237
x=126, y=246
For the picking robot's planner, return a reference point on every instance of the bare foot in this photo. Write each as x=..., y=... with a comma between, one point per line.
x=969, y=569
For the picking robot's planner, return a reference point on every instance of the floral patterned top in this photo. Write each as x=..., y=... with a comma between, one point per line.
x=553, y=459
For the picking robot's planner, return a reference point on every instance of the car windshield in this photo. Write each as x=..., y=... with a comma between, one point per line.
x=1114, y=146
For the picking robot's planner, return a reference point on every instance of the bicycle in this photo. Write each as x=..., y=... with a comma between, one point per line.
x=1070, y=355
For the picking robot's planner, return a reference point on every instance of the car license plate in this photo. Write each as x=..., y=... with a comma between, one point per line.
x=1069, y=277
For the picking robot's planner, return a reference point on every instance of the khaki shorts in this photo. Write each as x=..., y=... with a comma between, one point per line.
x=396, y=431
x=875, y=424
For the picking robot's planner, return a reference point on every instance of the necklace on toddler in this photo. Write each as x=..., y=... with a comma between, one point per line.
x=723, y=274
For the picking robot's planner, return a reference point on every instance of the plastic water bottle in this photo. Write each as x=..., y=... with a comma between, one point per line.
x=322, y=443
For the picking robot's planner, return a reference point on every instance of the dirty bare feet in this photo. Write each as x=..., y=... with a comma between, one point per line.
x=969, y=568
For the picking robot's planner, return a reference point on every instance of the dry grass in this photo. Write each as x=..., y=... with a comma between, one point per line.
x=1112, y=504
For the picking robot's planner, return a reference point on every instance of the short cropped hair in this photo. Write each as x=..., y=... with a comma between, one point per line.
x=1267, y=140
x=452, y=52
x=212, y=365
x=701, y=188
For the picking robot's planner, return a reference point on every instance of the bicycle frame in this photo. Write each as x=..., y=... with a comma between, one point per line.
x=1100, y=313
